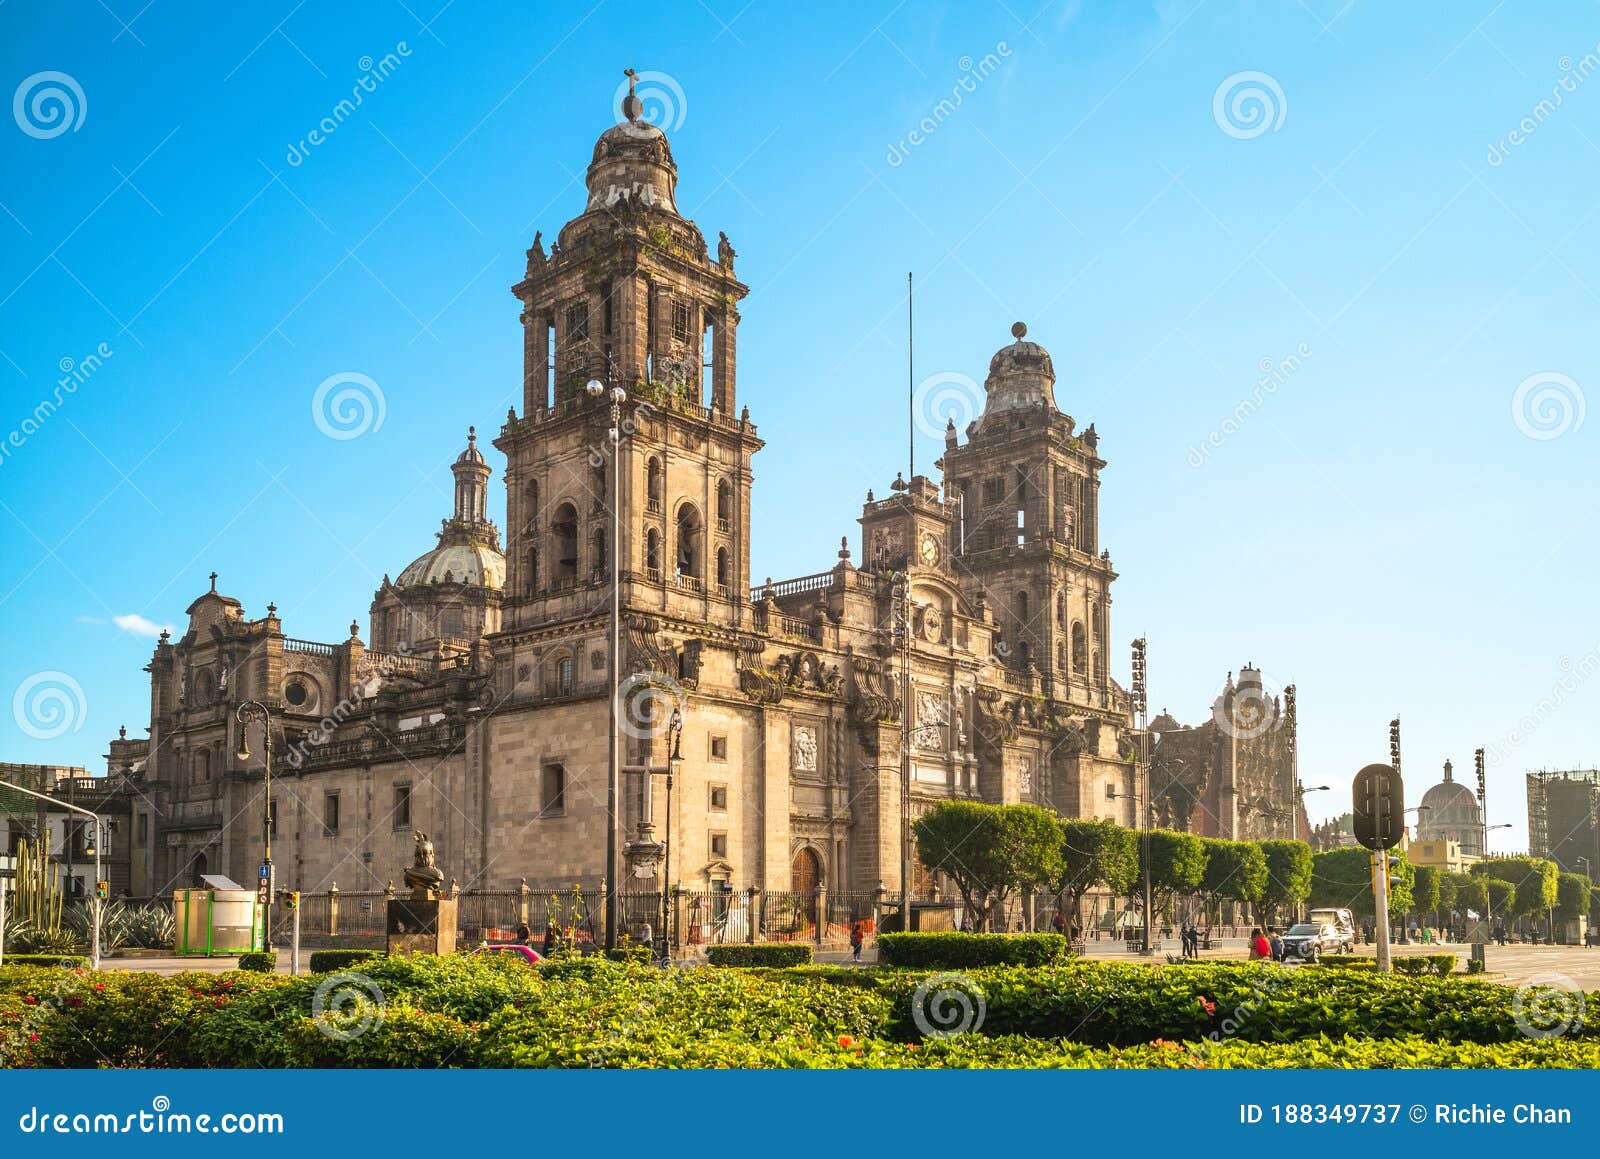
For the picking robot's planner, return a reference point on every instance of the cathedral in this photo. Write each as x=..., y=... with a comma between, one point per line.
x=962, y=650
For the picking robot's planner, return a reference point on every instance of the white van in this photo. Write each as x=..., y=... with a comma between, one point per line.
x=1343, y=922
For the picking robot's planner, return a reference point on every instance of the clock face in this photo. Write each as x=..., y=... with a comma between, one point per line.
x=930, y=550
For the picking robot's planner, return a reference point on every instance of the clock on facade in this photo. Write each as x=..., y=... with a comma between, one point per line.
x=930, y=549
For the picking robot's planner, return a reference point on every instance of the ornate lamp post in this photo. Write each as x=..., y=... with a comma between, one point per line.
x=597, y=389
x=646, y=854
x=246, y=712
x=1141, y=708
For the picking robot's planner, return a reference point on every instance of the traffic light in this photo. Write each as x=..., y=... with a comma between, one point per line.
x=1378, y=800
x=102, y=889
x=291, y=899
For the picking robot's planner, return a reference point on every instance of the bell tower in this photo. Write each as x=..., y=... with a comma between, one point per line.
x=1027, y=486
x=631, y=296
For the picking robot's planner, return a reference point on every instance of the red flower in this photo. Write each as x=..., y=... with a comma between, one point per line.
x=1209, y=1006
x=30, y=999
x=846, y=1041
x=74, y=1002
x=33, y=1038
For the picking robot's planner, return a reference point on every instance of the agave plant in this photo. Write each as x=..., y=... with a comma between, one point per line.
x=78, y=919
x=38, y=940
x=151, y=926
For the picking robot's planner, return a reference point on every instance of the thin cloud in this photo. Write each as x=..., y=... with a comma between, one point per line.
x=138, y=625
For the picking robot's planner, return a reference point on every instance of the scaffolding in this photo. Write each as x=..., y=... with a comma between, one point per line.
x=1564, y=817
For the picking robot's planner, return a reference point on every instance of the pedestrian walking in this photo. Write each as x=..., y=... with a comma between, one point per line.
x=1260, y=948
x=647, y=938
x=857, y=939
x=1059, y=923
x=552, y=939
x=1275, y=940
x=524, y=934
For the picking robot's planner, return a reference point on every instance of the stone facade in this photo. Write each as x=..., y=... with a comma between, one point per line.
x=967, y=656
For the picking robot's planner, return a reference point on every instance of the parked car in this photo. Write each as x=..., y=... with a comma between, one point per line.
x=516, y=949
x=1308, y=941
x=1343, y=922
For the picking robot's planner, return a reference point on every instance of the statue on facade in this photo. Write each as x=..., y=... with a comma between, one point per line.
x=423, y=875
x=725, y=252
x=536, y=255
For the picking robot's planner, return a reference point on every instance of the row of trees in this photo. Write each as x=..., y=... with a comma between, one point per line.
x=993, y=853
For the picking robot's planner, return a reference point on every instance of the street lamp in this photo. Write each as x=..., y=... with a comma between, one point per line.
x=256, y=710
x=645, y=854
x=1585, y=863
x=597, y=389
x=1294, y=814
x=1140, y=705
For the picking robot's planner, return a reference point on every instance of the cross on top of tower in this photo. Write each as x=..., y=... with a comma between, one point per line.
x=632, y=106
x=213, y=581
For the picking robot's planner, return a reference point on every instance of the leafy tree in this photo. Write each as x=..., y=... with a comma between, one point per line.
x=1177, y=864
x=1288, y=880
x=1095, y=854
x=1534, y=879
x=1471, y=893
x=1425, y=889
x=1572, y=894
x=1501, y=897
x=1343, y=877
x=1447, y=894
x=990, y=851
x=1235, y=871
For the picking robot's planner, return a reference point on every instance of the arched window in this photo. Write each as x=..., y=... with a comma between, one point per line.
x=1080, y=649
x=564, y=676
x=1022, y=607
x=1086, y=514
x=450, y=624
x=1099, y=669
x=1061, y=609
x=722, y=567
x=1061, y=656
x=601, y=559
x=565, y=527
x=532, y=584
x=689, y=561
x=652, y=484
x=724, y=504
x=202, y=764
x=652, y=552
x=598, y=484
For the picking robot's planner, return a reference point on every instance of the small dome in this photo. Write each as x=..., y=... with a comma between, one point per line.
x=472, y=454
x=473, y=564
x=1452, y=795
x=1021, y=377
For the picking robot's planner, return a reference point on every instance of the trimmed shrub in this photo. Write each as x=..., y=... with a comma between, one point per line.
x=65, y=961
x=1475, y=966
x=958, y=951
x=327, y=961
x=760, y=954
x=262, y=962
x=640, y=954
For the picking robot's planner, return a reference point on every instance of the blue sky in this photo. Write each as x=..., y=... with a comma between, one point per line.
x=1382, y=526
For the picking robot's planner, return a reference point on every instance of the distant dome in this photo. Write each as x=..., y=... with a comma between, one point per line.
x=1021, y=378
x=474, y=564
x=1452, y=795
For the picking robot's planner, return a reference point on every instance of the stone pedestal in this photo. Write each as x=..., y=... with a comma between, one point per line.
x=421, y=925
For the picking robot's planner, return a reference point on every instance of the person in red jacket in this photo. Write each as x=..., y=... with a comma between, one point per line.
x=1259, y=946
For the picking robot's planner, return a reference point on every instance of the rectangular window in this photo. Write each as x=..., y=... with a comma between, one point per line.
x=553, y=791
x=719, y=748
x=143, y=829
x=330, y=814
x=578, y=322
x=719, y=845
x=680, y=321
x=719, y=798
x=402, y=806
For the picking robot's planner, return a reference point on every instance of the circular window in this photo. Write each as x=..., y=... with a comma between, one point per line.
x=296, y=693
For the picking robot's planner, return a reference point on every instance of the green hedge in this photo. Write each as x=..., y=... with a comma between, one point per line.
x=759, y=954
x=66, y=961
x=259, y=961
x=629, y=954
x=1416, y=964
x=957, y=951
x=460, y=1011
x=1114, y=1004
x=327, y=961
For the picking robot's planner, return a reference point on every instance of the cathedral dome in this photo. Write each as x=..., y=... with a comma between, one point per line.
x=473, y=564
x=1451, y=796
x=632, y=163
x=1021, y=378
